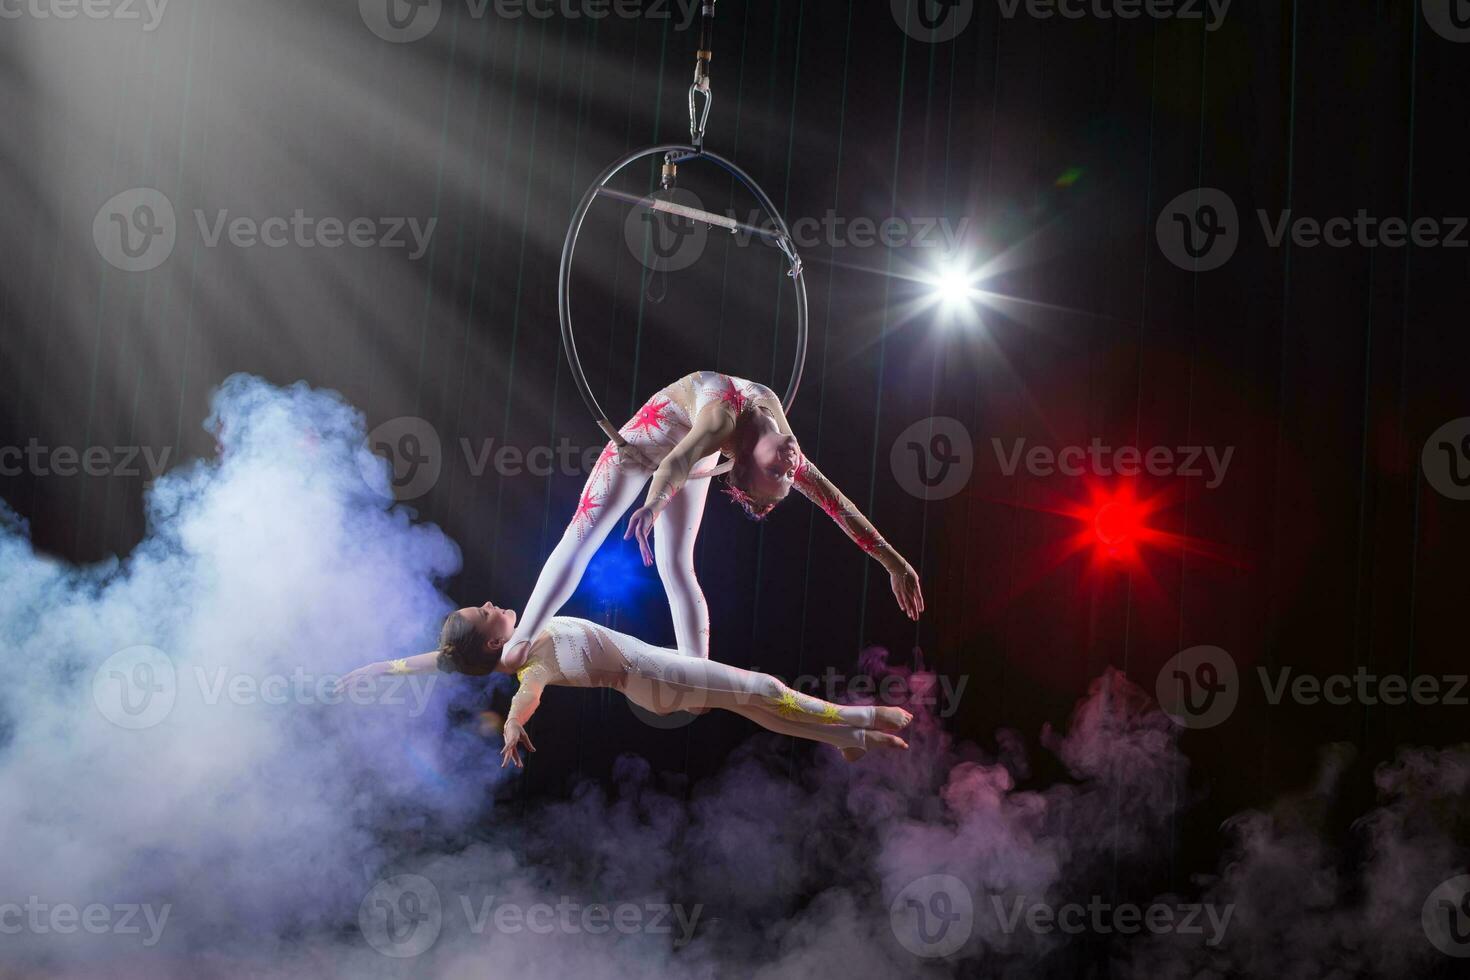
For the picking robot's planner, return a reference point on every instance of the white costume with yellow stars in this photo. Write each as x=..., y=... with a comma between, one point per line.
x=577, y=653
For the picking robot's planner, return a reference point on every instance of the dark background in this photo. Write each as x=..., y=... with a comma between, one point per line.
x=1326, y=369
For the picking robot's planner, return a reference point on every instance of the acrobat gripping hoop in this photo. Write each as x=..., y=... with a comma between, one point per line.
x=674, y=155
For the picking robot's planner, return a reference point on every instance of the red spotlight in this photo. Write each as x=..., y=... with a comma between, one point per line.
x=1116, y=524
x=1115, y=528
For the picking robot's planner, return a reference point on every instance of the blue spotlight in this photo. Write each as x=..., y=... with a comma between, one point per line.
x=614, y=575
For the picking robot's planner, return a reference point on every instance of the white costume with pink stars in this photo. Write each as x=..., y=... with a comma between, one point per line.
x=613, y=488
x=665, y=432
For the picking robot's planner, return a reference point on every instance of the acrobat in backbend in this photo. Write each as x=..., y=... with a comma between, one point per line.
x=673, y=442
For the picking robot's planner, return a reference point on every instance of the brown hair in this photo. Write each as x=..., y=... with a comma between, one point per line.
x=462, y=650
x=756, y=508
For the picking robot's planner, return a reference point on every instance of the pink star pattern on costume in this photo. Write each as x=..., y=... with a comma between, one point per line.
x=585, y=507
x=609, y=454
x=738, y=495
x=805, y=482
x=732, y=396
x=650, y=416
x=808, y=481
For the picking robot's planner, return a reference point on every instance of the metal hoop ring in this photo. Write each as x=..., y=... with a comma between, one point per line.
x=681, y=153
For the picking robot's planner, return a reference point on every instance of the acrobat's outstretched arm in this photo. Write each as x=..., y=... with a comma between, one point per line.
x=423, y=663
x=815, y=486
x=527, y=699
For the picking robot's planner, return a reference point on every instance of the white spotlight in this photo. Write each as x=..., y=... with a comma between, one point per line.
x=953, y=288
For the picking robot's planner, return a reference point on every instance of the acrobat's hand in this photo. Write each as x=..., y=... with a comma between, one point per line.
x=356, y=677
x=631, y=455
x=515, y=736
x=906, y=590
x=640, y=525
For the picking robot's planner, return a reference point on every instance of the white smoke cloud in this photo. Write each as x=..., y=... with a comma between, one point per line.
x=273, y=832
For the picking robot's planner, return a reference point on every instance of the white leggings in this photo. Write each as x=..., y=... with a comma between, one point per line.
x=610, y=492
x=663, y=681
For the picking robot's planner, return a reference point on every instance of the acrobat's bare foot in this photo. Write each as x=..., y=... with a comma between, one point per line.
x=874, y=740
x=891, y=719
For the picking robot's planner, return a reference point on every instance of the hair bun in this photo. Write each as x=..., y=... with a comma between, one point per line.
x=445, y=662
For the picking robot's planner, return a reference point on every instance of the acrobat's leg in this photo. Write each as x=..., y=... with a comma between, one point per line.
x=612, y=488
x=687, y=683
x=673, y=548
x=838, y=736
x=663, y=697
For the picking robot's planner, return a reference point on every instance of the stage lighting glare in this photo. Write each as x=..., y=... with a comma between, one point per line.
x=954, y=288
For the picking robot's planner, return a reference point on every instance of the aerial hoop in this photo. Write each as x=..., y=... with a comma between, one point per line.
x=675, y=154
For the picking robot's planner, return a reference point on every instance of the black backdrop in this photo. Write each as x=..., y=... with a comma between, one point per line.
x=1061, y=140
